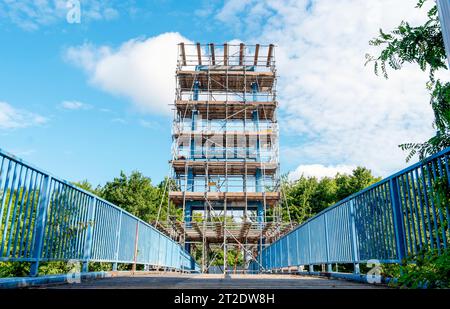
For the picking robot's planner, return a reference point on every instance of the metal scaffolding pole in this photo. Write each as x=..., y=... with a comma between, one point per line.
x=225, y=100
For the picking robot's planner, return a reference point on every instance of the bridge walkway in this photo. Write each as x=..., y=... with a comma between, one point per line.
x=213, y=281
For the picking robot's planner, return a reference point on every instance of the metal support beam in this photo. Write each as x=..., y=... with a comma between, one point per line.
x=183, y=54
x=199, y=54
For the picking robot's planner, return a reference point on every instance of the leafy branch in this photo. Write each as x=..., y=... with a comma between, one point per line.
x=422, y=45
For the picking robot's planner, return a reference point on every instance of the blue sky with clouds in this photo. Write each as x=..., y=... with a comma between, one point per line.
x=87, y=100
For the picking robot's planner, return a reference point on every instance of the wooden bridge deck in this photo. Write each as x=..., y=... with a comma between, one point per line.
x=209, y=281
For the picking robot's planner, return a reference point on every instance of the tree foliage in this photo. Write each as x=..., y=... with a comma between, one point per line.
x=308, y=196
x=136, y=194
x=429, y=269
x=424, y=46
x=87, y=186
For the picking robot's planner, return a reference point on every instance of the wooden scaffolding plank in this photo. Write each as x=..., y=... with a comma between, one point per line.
x=239, y=197
x=267, y=227
x=218, y=229
x=162, y=228
x=241, y=54
x=199, y=54
x=218, y=109
x=256, y=54
x=244, y=230
x=237, y=80
x=183, y=54
x=179, y=228
x=225, y=54
x=235, y=138
x=270, y=55
x=213, y=55
x=218, y=168
x=197, y=228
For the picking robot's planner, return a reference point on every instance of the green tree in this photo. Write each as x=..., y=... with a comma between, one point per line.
x=87, y=186
x=360, y=179
x=136, y=194
x=308, y=196
x=422, y=45
x=298, y=197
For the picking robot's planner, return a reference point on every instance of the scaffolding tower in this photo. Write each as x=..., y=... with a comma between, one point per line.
x=225, y=167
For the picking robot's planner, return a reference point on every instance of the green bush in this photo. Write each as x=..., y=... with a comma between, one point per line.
x=429, y=270
x=14, y=269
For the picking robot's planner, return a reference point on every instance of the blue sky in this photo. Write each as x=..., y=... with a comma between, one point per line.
x=97, y=142
x=87, y=100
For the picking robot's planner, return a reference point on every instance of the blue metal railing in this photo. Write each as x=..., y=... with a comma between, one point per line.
x=395, y=218
x=43, y=218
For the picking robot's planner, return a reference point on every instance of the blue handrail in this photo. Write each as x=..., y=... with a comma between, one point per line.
x=395, y=218
x=44, y=218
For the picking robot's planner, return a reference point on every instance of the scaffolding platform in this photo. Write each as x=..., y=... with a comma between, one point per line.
x=232, y=138
x=233, y=81
x=235, y=232
x=224, y=165
x=213, y=109
x=270, y=198
x=222, y=168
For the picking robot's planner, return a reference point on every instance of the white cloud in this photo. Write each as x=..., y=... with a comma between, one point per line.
x=13, y=118
x=343, y=113
x=319, y=171
x=75, y=105
x=150, y=124
x=23, y=153
x=119, y=120
x=32, y=15
x=140, y=69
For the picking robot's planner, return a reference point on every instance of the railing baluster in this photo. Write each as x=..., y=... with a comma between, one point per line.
x=117, y=244
x=354, y=237
x=90, y=230
x=10, y=198
x=398, y=220
x=40, y=225
x=19, y=220
x=327, y=242
x=440, y=210
x=433, y=211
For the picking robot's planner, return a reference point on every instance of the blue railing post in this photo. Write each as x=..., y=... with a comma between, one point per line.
x=311, y=266
x=40, y=222
x=354, y=237
x=327, y=243
x=89, y=234
x=42, y=208
x=116, y=255
x=397, y=216
x=136, y=240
